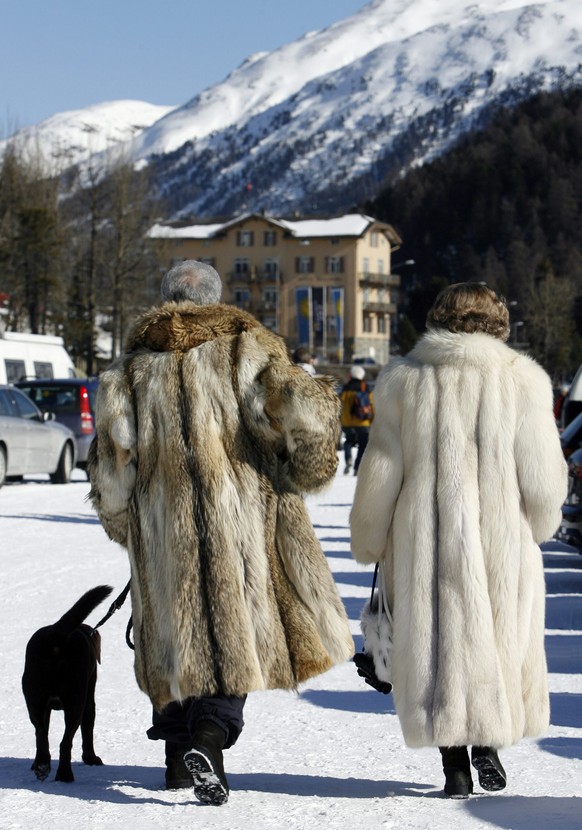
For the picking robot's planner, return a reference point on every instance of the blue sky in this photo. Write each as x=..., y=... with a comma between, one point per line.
x=57, y=55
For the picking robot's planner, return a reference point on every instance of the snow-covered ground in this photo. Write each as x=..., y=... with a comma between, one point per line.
x=331, y=756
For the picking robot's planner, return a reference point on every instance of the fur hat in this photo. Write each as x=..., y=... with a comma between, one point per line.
x=358, y=372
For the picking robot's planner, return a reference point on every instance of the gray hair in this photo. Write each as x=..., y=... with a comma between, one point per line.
x=194, y=281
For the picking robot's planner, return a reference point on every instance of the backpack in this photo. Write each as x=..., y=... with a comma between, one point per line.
x=362, y=405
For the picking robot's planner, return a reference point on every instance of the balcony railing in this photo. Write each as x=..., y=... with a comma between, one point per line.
x=269, y=276
x=239, y=277
x=254, y=275
x=382, y=308
x=385, y=280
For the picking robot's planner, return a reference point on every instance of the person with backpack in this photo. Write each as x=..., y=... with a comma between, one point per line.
x=356, y=416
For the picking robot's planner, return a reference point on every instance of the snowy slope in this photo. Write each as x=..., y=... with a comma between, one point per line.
x=329, y=758
x=444, y=37
x=321, y=122
x=71, y=137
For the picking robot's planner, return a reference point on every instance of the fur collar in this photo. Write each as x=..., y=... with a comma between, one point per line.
x=178, y=327
x=440, y=346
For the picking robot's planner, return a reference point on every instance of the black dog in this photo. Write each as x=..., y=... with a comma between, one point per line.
x=60, y=672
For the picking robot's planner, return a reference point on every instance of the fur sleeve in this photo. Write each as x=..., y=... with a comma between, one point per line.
x=292, y=413
x=305, y=412
x=541, y=468
x=379, y=477
x=111, y=462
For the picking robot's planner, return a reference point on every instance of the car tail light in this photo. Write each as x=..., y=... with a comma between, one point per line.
x=87, y=425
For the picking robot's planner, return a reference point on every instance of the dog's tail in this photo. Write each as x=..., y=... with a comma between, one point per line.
x=81, y=609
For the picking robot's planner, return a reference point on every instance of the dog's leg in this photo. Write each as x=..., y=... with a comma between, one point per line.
x=87, y=725
x=72, y=721
x=41, y=765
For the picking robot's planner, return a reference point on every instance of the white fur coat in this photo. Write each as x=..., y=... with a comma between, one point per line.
x=462, y=478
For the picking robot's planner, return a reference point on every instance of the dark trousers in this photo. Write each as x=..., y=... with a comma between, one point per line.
x=355, y=437
x=178, y=722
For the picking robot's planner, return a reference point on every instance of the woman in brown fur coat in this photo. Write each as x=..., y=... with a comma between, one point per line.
x=207, y=438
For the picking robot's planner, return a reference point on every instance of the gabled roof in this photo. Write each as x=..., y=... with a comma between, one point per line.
x=351, y=224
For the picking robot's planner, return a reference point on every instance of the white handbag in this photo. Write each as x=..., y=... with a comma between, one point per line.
x=376, y=626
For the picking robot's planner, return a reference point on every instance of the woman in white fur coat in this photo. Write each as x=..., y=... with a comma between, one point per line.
x=463, y=477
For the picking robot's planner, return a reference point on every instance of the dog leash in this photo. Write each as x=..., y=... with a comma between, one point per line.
x=115, y=606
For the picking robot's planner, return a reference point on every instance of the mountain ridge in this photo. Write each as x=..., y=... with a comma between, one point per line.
x=323, y=122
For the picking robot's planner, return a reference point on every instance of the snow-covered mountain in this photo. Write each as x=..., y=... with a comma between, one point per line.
x=322, y=122
x=72, y=137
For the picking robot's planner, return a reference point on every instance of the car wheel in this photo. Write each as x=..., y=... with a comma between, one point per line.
x=2, y=466
x=62, y=475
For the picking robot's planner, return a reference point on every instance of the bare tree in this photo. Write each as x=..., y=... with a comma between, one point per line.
x=128, y=264
x=31, y=241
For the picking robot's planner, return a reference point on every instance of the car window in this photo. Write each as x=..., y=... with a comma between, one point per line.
x=6, y=405
x=15, y=370
x=54, y=398
x=25, y=406
x=43, y=370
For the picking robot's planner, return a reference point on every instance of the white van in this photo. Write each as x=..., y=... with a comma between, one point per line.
x=24, y=356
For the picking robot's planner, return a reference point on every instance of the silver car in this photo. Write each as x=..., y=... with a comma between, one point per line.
x=31, y=442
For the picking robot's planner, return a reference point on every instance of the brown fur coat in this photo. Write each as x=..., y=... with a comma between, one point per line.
x=207, y=437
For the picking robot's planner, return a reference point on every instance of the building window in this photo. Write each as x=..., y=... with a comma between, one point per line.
x=270, y=295
x=241, y=265
x=271, y=267
x=366, y=295
x=335, y=240
x=269, y=238
x=245, y=239
x=380, y=266
x=241, y=297
x=374, y=239
x=208, y=260
x=366, y=266
x=334, y=265
x=270, y=299
x=304, y=265
x=381, y=324
x=382, y=295
x=367, y=326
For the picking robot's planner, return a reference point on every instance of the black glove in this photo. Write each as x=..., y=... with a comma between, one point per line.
x=365, y=665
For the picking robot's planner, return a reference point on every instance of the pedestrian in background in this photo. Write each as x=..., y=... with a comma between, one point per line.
x=303, y=357
x=357, y=414
x=207, y=437
x=462, y=479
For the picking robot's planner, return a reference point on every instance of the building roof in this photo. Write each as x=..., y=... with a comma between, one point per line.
x=161, y=231
x=351, y=224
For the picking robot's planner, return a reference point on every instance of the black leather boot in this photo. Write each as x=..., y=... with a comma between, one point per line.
x=204, y=760
x=177, y=773
x=486, y=761
x=457, y=770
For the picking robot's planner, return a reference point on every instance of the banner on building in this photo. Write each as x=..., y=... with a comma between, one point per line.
x=318, y=316
x=337, y=303
x=303, y=301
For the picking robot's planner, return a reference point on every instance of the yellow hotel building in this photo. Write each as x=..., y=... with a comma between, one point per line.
x=321, y=283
